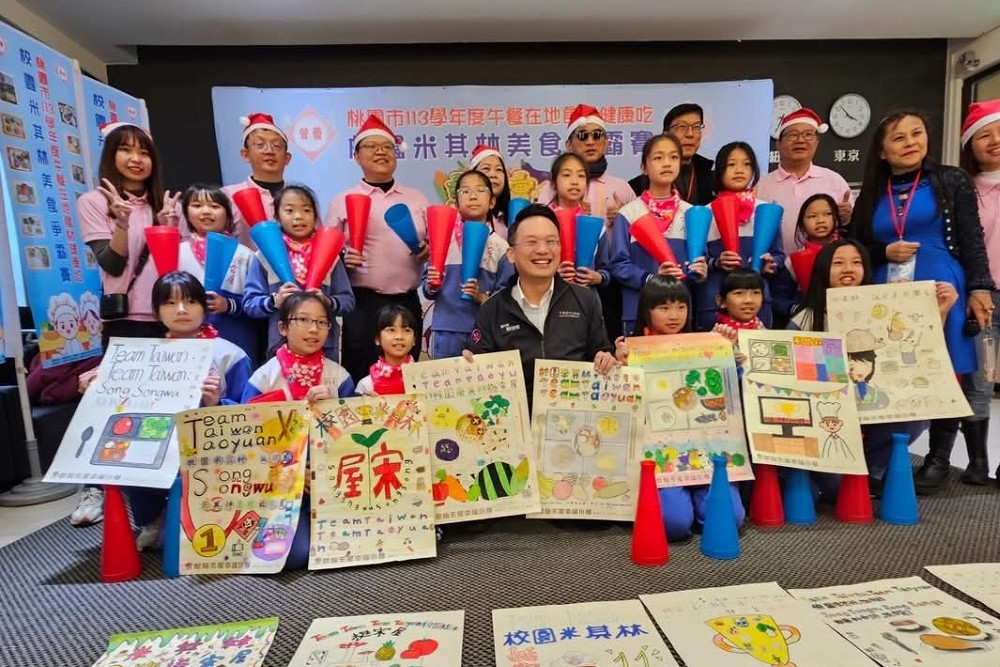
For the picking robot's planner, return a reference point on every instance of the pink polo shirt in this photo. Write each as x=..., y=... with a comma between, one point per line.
x=784, y=188
x=390, y=267
x=988, y=194
x=601, y=193
x=96, y=224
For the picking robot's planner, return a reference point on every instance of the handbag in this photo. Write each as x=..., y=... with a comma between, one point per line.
x=115, y=306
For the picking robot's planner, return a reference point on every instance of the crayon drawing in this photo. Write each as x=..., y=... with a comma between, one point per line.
x=371, y=482
x=482, y=455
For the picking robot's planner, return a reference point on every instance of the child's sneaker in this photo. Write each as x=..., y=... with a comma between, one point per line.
x=149, y=536
x=90, y=509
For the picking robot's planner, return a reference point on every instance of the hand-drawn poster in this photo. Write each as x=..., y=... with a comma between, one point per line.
x=242, y=643
x=611, y=634
x=797, y=402
x=901, y=622
x=371, y=481
x=980, y=581
x=692, y=398
x=585, y=429
x=896, y=352
x=242, y=478
x=427, y=639
x=122, y=432
x=748, y=626
x=482, y=455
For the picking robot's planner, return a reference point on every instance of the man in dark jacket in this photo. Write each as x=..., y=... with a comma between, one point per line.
x=686, y=122
x=539, y=313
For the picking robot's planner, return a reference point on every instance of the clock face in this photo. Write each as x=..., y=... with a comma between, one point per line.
x=783, y=105
x=850, y=115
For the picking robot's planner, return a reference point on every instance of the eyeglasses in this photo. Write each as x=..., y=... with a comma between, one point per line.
x=276, y=146
x=583, y=135
x=808, y=135
x=535, y=244
x=308, y=323
x=465, y=192
x=376, y=148
x=685, y=128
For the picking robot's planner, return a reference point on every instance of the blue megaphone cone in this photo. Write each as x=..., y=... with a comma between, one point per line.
x=267, y=236
x=720, y=537
x=219, y=252
x=798, y=501
x=172, y=531
x=899, y=498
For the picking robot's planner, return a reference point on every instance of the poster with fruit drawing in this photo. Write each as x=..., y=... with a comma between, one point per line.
x=482, y=455
x=748, y=626
x=426, y=639
x=692, y=405
x=589, y=634
x=896, y=353
x=585, y=427
x=242, y=480
x=371, y=482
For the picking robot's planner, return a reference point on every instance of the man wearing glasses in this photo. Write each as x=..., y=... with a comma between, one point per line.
x=797, y=178
x=687, y=123
x=385, y=271
x=265, y=149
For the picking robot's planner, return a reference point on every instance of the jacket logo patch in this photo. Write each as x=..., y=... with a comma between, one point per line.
x=476, y=335
x=571, y=314
x=510, y=328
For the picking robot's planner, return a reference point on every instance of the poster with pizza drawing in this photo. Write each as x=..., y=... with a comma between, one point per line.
x=482, y=455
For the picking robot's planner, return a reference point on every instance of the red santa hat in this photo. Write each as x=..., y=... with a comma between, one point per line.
x=980, y=115
x=374, y=127
x=803, y=115
x=259, y=121
x=480, y=153
x=582, y=115
x=108, y=128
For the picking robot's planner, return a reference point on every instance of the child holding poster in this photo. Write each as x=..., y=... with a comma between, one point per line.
x=295, y=208
x=397, y=333
x=665, y=309
x=739, y=302
x=455, y=302
x=207, y=208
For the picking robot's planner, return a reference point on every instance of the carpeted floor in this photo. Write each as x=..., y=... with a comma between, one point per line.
x=56, y=613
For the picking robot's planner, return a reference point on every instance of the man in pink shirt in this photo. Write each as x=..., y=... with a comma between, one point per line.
x=797, y=178
x=385, y=272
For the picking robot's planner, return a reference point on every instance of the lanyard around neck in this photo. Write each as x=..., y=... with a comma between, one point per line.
x=899, y=217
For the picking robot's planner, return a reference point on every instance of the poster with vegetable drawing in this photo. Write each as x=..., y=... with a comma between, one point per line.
x=896, y=351
x=371, y=482
x=426, y=639
x=903, y=622
x=797, y=402
x=585, y=428
x=980, y=581
x=243, y=643
x=482, y=455
x=242, y=478
x=123, y=429
x=748, y=626
x=589, y=634
x=692, y=402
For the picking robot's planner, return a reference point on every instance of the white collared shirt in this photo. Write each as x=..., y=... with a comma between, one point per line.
x=536, y=314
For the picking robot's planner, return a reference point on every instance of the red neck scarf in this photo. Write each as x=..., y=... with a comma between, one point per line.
x=300, y=371
x=198, y=247
x=724, y=318
x=388, y=379
x=556, y=207
x=747, y=201
x=207, y=331
x=299, y=254
x=664, y=209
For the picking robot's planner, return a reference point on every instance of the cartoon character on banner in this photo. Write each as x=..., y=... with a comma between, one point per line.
x=861, y=346
x=90, y=316
x=830, y=421
x=64, y=318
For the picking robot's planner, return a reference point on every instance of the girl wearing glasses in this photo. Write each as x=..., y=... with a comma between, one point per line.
x=456, y=303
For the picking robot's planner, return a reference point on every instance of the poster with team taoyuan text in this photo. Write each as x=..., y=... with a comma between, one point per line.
x=242, y=479
x=123, y=431
x=482, y=455
x=371, y=481
x=585, y=427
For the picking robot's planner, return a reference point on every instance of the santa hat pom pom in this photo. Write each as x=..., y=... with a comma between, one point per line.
x=245, y=121
x=401, y=146
x=823, y=128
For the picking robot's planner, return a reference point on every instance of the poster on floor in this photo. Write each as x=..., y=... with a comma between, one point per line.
x=123, y=431
x=482, y=455
x=747, y=625
x=45, y=171
x=242, y=643
x=980, y=581
x=692, y=404
x=797, y=402
x=896, y=352
x=371, y=477
x=902, y=622
x=242, y=478
x=425, y=638
x=585, y=426
x=618, y=633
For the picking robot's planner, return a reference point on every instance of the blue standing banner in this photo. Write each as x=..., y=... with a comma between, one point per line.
x=104, y=104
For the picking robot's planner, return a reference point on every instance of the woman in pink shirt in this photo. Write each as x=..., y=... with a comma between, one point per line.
x=981, y=159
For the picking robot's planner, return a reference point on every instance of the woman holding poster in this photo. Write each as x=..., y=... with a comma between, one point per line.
x=920, y=221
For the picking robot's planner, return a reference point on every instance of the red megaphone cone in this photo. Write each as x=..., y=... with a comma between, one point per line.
x=119, y=554
x=567, y=234
x=164, y=245
x=724, y=210
x=765, y=504
x=325, y=251
x=647, y=234
x=854, y=500
x=251, y=205
x=440, y=229
x=802, y=265
x=649, y=535
x=359, y=207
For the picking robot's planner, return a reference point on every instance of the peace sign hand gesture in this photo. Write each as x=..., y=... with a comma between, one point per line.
x=168, y=214
x=119, y=209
